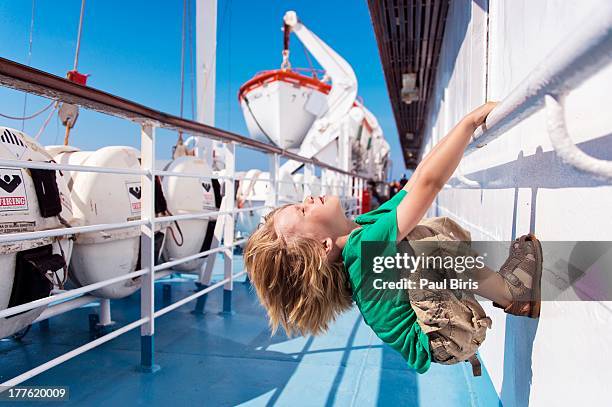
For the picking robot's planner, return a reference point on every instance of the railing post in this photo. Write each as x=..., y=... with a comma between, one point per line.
x=147, y=248
x=347, y=190
x=274, y=165
x=360, y=194
x=308, y=179
x=324, y=190
x=353, y=193
x=229, y=151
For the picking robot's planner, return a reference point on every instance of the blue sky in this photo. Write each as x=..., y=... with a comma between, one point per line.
x=132, y=49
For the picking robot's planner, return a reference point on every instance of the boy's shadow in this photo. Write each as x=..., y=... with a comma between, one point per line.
x=520, y=332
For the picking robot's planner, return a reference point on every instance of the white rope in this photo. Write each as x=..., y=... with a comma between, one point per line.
x=46, y=122
x=6, y=116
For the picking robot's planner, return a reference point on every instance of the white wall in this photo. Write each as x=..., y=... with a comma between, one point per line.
x=565, y=357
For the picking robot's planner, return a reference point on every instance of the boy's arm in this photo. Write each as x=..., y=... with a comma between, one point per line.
x=435, y=169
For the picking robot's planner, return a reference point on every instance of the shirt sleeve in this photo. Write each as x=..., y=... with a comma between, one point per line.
x=382, y=222
x=372, y=216
x=394, y=201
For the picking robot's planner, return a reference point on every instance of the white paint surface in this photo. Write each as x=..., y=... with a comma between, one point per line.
x=565, y=357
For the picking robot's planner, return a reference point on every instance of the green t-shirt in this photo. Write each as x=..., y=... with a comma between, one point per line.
x=393, y=320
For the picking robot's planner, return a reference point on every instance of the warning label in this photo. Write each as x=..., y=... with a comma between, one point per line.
x=12, y=190
x=16, y=227
x=209, y=196
x=134, y=192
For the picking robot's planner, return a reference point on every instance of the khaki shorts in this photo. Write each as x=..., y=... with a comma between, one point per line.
x=454, y=321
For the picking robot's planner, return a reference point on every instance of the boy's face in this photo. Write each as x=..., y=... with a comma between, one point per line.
x=318, y=217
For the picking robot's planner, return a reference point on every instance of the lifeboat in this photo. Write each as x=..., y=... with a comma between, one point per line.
x=280, y=106
x=99, y=198
x=30, y=200
x=188, y=195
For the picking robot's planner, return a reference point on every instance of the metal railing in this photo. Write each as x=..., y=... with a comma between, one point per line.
x=40, y=83
x=586, y=51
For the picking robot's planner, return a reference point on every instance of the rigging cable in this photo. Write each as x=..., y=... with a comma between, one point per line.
x=33, y=115
x=248, y=105
x=312, y=68
x=186, y=16
x=179, y=149
x=25, y=117
x=183, y=59
x=191, y=61
x=229, y=65
x=25, y=97
x=74, y=69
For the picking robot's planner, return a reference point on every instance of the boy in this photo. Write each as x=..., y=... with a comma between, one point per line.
x=305, y=264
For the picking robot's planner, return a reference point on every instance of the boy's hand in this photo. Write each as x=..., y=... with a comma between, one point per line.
x=479, y=115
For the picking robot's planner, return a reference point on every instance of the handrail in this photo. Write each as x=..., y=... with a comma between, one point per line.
x=583, y=53
x=27, y=79
x=71, y=354
x=63, y=231
x=7, y=312
x=69, y=167
x=101, y=227
x=76, y=292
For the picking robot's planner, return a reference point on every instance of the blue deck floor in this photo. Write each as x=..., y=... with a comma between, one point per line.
x=215, y=359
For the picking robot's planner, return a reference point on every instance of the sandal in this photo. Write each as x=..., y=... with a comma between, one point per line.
x=523, y=273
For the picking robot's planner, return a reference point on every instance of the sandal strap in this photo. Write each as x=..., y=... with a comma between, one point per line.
x=507, y=270
x=517, y=258
x=518, y=248
x=508, y=267
x=516, y=286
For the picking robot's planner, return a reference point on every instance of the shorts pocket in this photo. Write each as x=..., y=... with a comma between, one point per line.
x=431, y=311
x=443, y=350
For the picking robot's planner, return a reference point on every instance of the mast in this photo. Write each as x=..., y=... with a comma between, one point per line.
x=206, y=49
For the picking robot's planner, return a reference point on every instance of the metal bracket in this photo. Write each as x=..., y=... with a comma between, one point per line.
x=563, y=144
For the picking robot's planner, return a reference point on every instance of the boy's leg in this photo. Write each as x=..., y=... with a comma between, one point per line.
x=516, y=288
x=491, y=285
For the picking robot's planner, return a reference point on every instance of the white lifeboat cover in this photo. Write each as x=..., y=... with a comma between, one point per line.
x=100, y=198
x=187, y=195
x=19, y=210
x=105, y=198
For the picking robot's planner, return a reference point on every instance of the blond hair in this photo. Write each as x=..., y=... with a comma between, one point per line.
x=297, y=285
